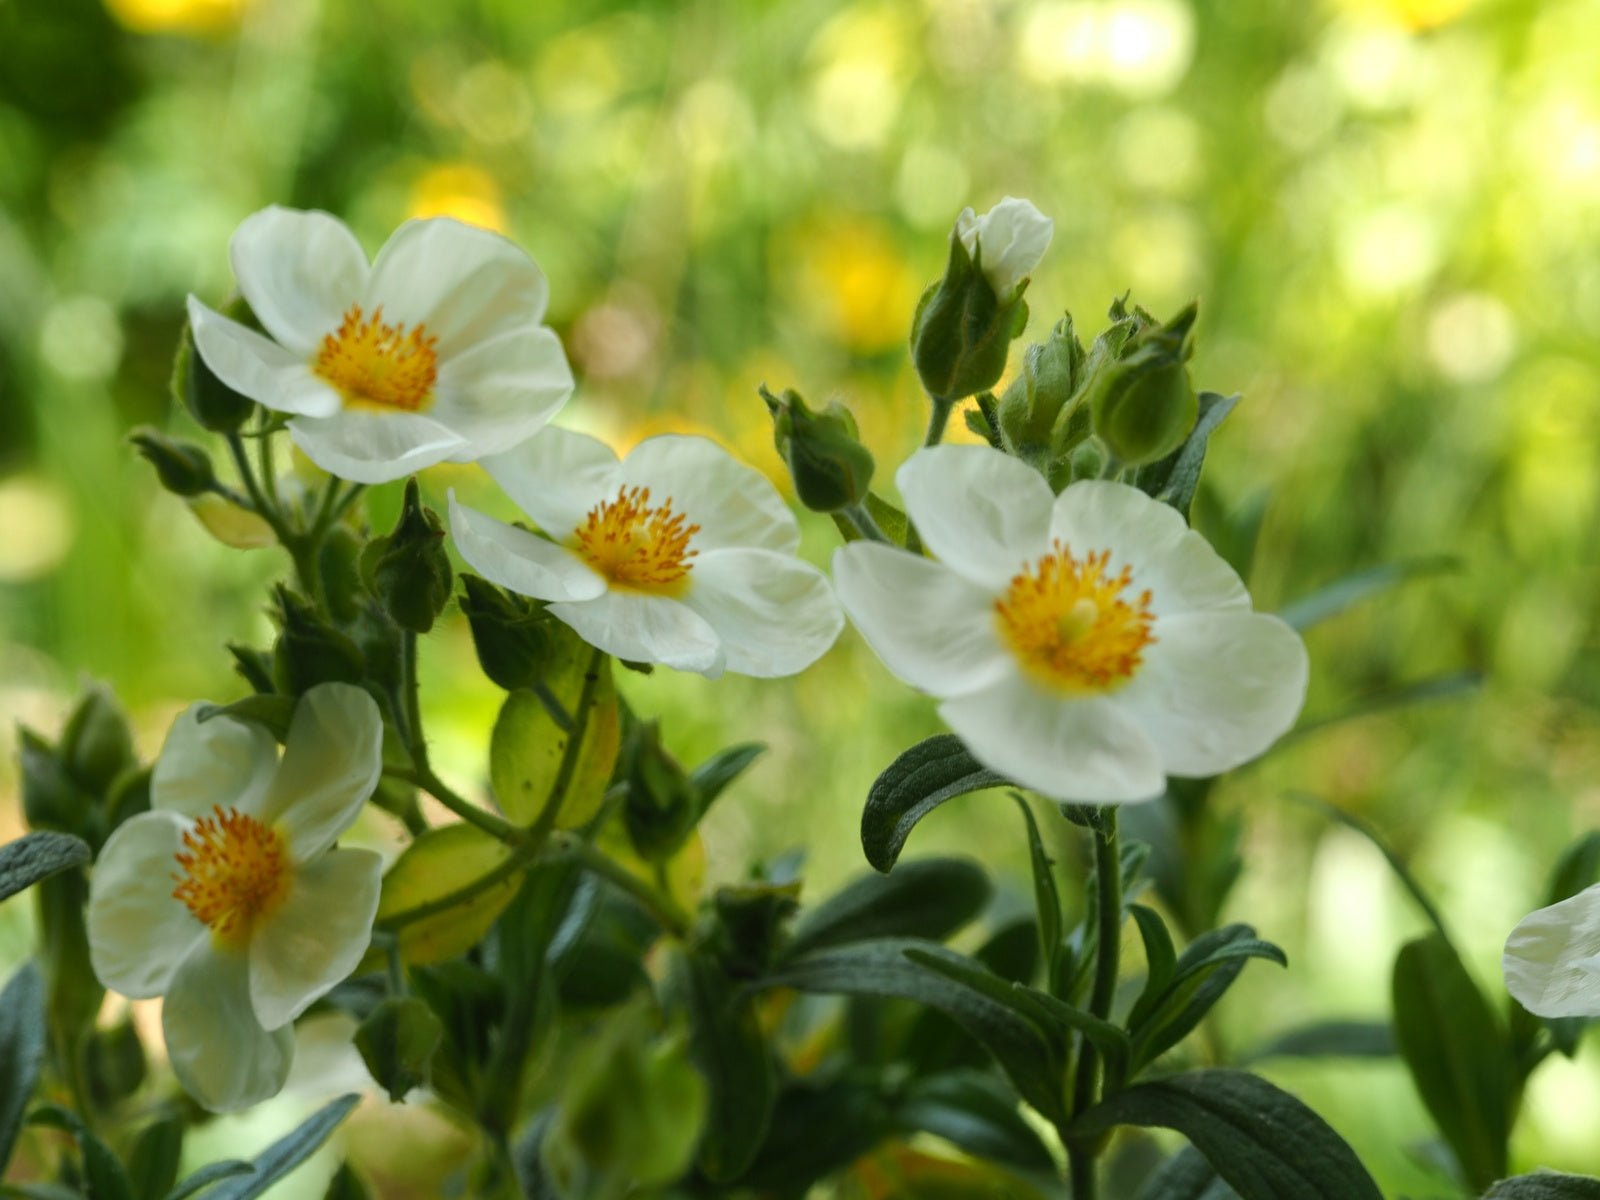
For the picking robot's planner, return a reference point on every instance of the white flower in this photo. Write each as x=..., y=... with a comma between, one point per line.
x=1085, y=645
x=434, y=352
x=1014, y=235
x=1552, y=958
x=677, y=555
x=227, y=898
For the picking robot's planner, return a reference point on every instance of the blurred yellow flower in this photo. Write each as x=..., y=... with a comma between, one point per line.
x=1413, y=14
x=851, y=276
x=178, y=16
x=458, y=190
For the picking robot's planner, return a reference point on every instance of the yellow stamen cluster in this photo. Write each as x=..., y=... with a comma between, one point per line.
x=637, y=545
x=378, y=365
x=1069, y=624
x=234, y=869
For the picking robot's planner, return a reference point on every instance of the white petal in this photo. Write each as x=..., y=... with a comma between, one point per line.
x=258, y=367
x=1216, y=689
x=220, y=763
x=1014, y=236
x=317, y=937
x=331, y=764
x=773, y=614
x=524, y=562
x=1552, y=958
x=374, y=447
x=219, y=1052
x=502, y=391
x=641, y=628
x=931, y=627
x=1081, y=750
x=300, y=271
x=733, y=504
x=556, y=478
x=981, y=512
x=464, y=283
x=1182, y=571
x=138, y=932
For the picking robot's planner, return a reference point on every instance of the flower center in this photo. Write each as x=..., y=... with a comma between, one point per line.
x=1070, y=625
x=377, y=365
x=635, y=544
x=233, y=870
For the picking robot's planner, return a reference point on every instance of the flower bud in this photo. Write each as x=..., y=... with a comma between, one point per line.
x=1051, y=373
x=408, y=570
x=1141, y=402
x=183, y=468
x=211, y=402
x=51, y=797
x=662, y=804
x=310, y=651
x=1010, y=238
x=397, y=1042
x=97, y=745
x=962, y=330
x=832, y=470
x=514, y=637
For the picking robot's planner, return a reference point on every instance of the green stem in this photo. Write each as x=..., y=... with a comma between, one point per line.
x=869, y=529
x=267, y=511
x=568, y=767
x=1081, y=1156
x=655, y=900
x=938, y=418
x=524, y=853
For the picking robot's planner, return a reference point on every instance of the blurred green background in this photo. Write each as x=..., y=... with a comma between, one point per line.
x=1387, y=207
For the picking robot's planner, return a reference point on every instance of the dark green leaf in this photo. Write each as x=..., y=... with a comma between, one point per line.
x=1201, y=975
x=289, y=1151
x=931, y=898
x=1457, y=1054
x=1342, y=594
x=1331, y=1039
x=727, y=1045
x=102, y=1169
x=208, y=1175
x=22, y=1038
x=911, y=787
x=1545, y=1185
x=1109, y=1039
x=156, y=1155
x=1160, y=959
x=36, y=856
x=1186, y=1176
x=975, y=1112
x=346, y=1185
x=1046, y=902
x=1263, y=1142
x=818, y=1127
x=1008, y=1027
x=1173, y=479
x=711, y=777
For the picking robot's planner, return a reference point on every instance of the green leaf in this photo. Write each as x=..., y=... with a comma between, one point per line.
x=208, y=1175
x=1545, y=1185
x=439, y=862
x=1109, y=1039
x=1346, y=593
x=1456, y=1053
x=346, y=1185
x=931, y=898
x=975, y=1112
x=102, y=1169
x=1161, y=958
x=36, y=856
x=713, y=776
x=1186, y=1176
x=1008, y=1026
x=1046, y=902
x=1200, y=977
x=1263, y=1142
x=1173, y=479
x=728, y=1046
x=529, y=742
x=818, y=1127
x=289, y=1151
x=22, y=1040
x=911, y=787
x=1421, y=691
x=153, y=1163
x=1331, y=1039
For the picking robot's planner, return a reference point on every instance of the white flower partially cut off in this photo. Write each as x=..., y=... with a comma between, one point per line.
x=435, y=352
x=678, y=554
x=227, y=897
x=1085, y=645
x=1014, y=236
x=1552, y=958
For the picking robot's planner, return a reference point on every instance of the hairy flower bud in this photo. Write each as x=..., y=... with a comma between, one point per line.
x=1051, y=373
x=408, y=569
x=514, y=637
x=183, y=468
x=309, y=650
x=1138, y=393
x=832, y=470
x=662, y=804
x=962, y=331
x=211, y=402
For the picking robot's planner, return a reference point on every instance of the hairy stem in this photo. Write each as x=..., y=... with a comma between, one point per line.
x=938, y=418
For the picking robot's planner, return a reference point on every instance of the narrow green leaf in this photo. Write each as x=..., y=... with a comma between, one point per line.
x=931, y=898
x=1199, y=978
x=1046, y=901
x=36, y=856
x=153, y=1162
x=22, y=1039
x=102, y=1169
x=1263, y=1142
x=1545, y=1185
x=1447, y=686
x=1457, y=1054
x=911, y=787
x=289, y=1151
x=1331, y=1039
x=713, y=776
x=1346, y=593
x=1160, y=959
x=727, y=1045
x=1111, y=1040
x=206, y=1176
x=976, y=1112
